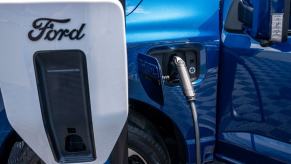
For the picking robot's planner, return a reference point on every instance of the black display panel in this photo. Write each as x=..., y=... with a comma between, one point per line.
x=63, y=89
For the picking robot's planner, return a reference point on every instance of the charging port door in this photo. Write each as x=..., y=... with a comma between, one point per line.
x=63, y=77
x=150, y=76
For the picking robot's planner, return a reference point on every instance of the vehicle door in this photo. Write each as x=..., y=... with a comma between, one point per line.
x=254, y=100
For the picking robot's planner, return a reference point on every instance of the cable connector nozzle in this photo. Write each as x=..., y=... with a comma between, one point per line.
x=185, y=78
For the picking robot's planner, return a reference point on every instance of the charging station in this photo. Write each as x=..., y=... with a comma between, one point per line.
x=63, y=69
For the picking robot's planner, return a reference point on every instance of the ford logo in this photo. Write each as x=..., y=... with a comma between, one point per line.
x=44, y=28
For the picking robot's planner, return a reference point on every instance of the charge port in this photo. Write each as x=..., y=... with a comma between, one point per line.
x=190, y=54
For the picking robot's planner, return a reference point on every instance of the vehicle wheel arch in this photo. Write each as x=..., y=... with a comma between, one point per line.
x=175, y=142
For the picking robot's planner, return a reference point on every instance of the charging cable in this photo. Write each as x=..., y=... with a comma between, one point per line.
x=190, y=95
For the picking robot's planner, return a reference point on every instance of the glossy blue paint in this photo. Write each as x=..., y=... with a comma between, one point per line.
x=172, y=23
x=260, y=10
x=263, y=145
x=150, y=76
x=5, y=128
x=254, y=100
x=173, y=20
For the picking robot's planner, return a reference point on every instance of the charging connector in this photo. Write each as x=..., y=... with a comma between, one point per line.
x=190, y=95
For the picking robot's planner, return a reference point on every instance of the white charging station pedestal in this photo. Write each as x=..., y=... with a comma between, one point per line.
x=63, y=76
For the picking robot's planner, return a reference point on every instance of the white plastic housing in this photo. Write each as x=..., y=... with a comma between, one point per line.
x=105, y=49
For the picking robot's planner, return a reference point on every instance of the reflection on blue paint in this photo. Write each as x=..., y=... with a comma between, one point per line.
x=163, y=20
x=254, y=96
x=157, y=23
x=262, y=145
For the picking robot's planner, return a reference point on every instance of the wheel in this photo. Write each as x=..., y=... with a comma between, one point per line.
x=144, y=148
x=22, y=154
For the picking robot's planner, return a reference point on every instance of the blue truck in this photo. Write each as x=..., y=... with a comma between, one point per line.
x=238, y=56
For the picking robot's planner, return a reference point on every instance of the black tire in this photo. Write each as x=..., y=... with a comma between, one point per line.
x=151, y=150
x=22, y=154
x=144, y=140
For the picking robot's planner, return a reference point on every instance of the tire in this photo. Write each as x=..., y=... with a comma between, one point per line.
x=144, y=148
x=22, y=154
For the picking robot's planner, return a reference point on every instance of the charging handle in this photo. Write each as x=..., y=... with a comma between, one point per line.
x=190, y=95
x=184, y=77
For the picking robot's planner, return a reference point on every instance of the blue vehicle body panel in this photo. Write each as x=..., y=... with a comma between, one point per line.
x=254, y=95
x=172, y=20
x=5, y=128
x=171, y=23
x=279, y=150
